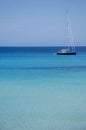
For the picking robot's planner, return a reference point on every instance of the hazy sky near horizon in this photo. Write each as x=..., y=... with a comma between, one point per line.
x=41, y=22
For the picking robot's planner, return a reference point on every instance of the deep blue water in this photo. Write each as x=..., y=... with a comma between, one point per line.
x=37, y=49
x=42, y=90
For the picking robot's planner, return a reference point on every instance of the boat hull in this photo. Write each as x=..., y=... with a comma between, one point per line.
x=66, y=53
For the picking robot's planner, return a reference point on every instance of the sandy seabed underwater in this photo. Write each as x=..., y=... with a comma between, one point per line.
x=40, y=90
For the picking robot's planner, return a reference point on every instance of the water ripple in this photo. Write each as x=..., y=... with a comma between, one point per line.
x=45, y=68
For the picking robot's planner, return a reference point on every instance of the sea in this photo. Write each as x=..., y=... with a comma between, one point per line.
x=40, y=90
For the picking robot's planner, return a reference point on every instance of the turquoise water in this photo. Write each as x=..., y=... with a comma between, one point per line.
x=40, y=90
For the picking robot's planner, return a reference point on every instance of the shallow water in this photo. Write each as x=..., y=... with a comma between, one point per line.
x=42, y=90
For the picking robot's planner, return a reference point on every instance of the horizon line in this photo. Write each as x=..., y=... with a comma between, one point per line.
x=45, y=46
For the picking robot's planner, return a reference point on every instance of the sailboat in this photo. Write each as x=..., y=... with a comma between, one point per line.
x=70, y=49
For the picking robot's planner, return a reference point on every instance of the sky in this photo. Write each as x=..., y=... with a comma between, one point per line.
x=41, y=22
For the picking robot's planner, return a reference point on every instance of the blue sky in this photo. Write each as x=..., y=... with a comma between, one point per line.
x=41, y=22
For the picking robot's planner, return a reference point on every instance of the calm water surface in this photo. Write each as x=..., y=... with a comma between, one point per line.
x=40, y=90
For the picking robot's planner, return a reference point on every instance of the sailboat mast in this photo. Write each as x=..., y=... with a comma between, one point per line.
x=67, y=28
x=70, y=40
